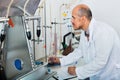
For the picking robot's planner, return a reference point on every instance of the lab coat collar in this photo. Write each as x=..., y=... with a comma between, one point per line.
x=91, y=29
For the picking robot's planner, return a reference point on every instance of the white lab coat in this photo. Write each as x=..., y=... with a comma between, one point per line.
x=101, y=53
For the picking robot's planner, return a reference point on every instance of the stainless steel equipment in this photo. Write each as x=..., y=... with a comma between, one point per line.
x=18, y=61
x=40, y=73
x=17, y=58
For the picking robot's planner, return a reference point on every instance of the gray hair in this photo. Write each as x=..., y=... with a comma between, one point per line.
x=85, y=12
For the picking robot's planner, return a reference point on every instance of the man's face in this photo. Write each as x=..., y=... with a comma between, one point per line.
x=76, y=20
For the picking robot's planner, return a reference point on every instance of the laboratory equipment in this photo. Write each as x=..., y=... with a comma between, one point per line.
x=17, y=58
x=40, y=73
x=67, y=48
x=38, y=29
x=26, y=20
x=18, y=61
x=28, y=32
x=2, y=38
x=55, y=37
x=64, y=39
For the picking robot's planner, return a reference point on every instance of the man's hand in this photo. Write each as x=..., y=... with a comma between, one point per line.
x=54, y=60
x=71, y=70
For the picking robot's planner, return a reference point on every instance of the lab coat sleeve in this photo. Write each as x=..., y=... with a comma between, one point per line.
x=103, y=46
x=72, y=57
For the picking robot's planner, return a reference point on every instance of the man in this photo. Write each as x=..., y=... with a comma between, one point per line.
x=99, y=46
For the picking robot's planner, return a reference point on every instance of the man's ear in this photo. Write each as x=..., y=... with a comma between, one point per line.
x=81, y=19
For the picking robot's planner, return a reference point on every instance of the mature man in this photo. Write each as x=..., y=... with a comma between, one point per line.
x=99, y=46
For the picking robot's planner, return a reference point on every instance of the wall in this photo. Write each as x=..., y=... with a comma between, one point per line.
x=109, y=12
